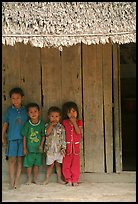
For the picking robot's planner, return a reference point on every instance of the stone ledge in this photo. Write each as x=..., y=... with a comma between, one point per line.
x=123, y=177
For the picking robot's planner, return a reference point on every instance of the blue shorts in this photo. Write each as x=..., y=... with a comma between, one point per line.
x=14, y=148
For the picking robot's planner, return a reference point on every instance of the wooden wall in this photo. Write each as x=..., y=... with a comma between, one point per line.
x=80, y=73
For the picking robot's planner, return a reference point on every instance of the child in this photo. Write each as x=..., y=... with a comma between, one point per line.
x=14, y=119
x=34, y=136
x=55, y=143
x=73, y=129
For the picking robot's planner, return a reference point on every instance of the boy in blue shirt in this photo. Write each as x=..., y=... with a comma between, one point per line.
x=14, y=119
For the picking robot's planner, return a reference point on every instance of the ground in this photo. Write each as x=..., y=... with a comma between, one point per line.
x=85, y=192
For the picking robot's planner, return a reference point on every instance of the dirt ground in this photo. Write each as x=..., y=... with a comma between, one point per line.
x=85, y=192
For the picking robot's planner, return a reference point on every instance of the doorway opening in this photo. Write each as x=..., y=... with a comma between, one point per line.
x=128, y=105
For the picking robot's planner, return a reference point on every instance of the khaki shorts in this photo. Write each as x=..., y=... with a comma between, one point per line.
x=51, y=157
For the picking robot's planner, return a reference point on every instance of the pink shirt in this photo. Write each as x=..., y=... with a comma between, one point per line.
x=72, y=138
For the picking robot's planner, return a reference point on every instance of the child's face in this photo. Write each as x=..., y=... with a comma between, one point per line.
x=72, y=113
x=54, y=117
x=16, y=100
x=33, y=113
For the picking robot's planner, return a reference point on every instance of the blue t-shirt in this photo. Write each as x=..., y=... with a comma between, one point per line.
x=15, y=119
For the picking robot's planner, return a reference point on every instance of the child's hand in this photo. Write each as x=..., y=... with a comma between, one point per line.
x=62, y=151
x=40, y=148
x=45, y=149
x=3, y=142
x=53, y=123
x=73, y=120
x=25, y=151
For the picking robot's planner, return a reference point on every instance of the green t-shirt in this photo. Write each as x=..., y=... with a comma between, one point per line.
x=33, y=134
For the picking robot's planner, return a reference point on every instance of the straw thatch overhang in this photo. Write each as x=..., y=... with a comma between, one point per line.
x=58, y=24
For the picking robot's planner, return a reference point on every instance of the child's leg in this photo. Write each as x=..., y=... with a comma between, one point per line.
x=58, y=170
x=12, y=170
x=75, y=168
x=29, y=171
x=66, y=168
x=36, y=170
x=48, y=173
x=19, y=169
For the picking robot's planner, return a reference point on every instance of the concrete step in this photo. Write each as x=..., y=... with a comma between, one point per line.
x=123, y=177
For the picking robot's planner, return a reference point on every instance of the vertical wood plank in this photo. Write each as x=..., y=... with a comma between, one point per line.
x=71, y=75
x=117, y=109
x=51, y=79
x=120, y=165
x=93, y=108
x=30, y=73
x=72, y=82
x=10, y=72
x=107, y=84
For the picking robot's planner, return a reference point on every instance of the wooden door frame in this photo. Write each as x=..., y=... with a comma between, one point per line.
x=117, y=110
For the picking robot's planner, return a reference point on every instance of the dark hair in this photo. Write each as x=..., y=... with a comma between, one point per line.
x=54, y=109
x=16, y=90
x=32, y=105
x=67, y=107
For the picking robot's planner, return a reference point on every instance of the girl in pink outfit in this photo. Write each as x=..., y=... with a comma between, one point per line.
x=73, y=131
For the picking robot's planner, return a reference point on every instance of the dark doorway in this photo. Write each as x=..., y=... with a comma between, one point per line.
x=128, y=105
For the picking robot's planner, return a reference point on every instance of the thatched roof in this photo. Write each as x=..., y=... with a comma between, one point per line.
x=57, y=24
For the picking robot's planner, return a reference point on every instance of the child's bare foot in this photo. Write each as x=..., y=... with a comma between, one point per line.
x=16, y=184
x=36, y=181
x=59, y=180
x=75, y=184
x=11, y=184
x=11, y=187
x=68, y=184
x=29, y=181
x=45, y=182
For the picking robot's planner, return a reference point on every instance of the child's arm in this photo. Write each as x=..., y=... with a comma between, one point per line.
x=77, y=128
x=4, y=128
x=42, y=143
x=24, y=145
x=62, y=151
x=49, y=129
x=63, y=146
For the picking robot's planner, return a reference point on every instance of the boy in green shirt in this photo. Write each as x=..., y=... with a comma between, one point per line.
x=34, y=137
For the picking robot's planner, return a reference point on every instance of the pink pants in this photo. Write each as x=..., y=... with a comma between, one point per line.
x=71, y=168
